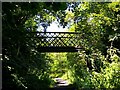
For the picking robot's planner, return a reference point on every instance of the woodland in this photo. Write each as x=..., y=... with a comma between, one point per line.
x=96, y=66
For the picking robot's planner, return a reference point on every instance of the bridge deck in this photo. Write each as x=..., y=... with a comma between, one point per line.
x=58, y=49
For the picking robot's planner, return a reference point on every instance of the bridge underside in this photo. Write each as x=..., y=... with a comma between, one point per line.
x=58, y=49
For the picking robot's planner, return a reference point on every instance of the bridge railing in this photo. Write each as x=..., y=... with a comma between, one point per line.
x=57, y=40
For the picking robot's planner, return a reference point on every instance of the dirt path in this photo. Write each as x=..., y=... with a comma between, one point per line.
x=62, y=85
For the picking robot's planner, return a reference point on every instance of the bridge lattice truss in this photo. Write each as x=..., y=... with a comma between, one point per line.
x=57, y=41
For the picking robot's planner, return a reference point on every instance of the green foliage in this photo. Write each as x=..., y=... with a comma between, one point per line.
x=24, y=67
x=58, y=64
x=96, y=65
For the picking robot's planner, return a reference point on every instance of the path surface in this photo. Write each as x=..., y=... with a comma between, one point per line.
x=62, y=85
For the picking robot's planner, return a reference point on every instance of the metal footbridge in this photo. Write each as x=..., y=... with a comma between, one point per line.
x=56, y=41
